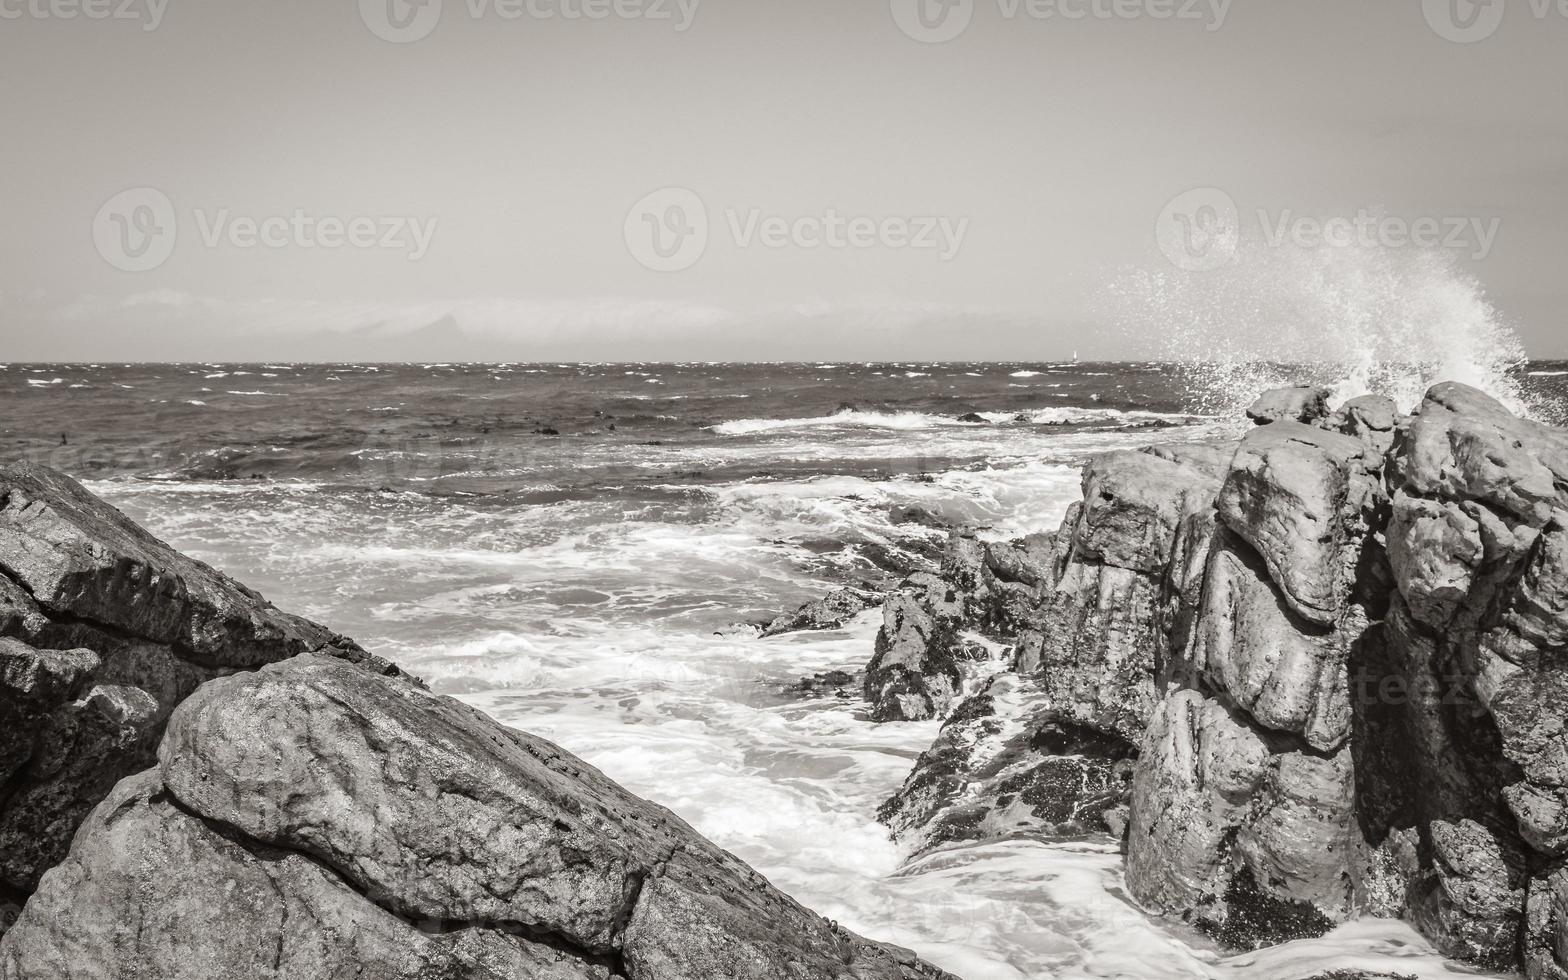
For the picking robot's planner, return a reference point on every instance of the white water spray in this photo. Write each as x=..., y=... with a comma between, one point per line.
x=1358, y=319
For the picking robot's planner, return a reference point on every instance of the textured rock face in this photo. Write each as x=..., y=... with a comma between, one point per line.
x=1239, y=837
x=107, y=630
x=1366, y=729
x=1093, y=613
x=1244, y=814
x=915, y=672
x=1290, y=405
x=1006, y=762
x=410, y=832
x=828, y=613
x=1114, y=613
x=1477, y=545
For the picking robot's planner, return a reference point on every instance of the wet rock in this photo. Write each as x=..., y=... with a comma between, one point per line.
x=833, y=683
x=828, y=613
x=1303, y=404
x=973, y=418
x=76, y=556
x=1287, y=673
x=1124, y=595
x=914, y=674
x=1006, y=762
x=915, y=514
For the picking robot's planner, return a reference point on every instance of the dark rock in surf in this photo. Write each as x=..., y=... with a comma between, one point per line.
x=1006, y=762
x=828, y=613
x=914, y=674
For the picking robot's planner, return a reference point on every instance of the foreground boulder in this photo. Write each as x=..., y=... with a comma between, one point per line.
x=106, y=630
x=324, y=815
x=314, y=817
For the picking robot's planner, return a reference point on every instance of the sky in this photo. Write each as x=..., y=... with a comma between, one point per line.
x=736, y=179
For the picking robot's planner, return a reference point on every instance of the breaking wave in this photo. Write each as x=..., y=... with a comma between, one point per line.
x=1358, y=319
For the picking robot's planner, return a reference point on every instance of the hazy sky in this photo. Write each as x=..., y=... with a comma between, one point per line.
x=864, y=192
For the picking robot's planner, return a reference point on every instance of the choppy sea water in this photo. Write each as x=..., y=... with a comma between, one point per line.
x=564, y=546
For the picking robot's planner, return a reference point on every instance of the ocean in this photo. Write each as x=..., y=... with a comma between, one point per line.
x=569, y=547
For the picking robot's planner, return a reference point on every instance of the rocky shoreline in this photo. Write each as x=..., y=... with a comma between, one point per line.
x=197, y=785
x=1312, y=675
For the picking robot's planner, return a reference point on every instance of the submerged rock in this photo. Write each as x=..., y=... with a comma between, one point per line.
x=828, y=613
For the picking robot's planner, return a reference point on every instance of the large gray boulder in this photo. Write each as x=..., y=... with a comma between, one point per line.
x=106, y=630
x=313, y=817
x=1299, y=404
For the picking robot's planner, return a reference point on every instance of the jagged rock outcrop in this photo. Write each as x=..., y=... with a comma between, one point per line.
x=1342, y=663
x=338, y=817
x=1092, y=612
x=1119, y=606
x=1477, y=543
x=931, y=623
x=107, y=630
x=1244, y=812
x=1369, y=729
x=323, y=815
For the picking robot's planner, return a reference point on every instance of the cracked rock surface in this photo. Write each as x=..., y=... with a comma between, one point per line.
x=314, y=814
x=106, y=629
